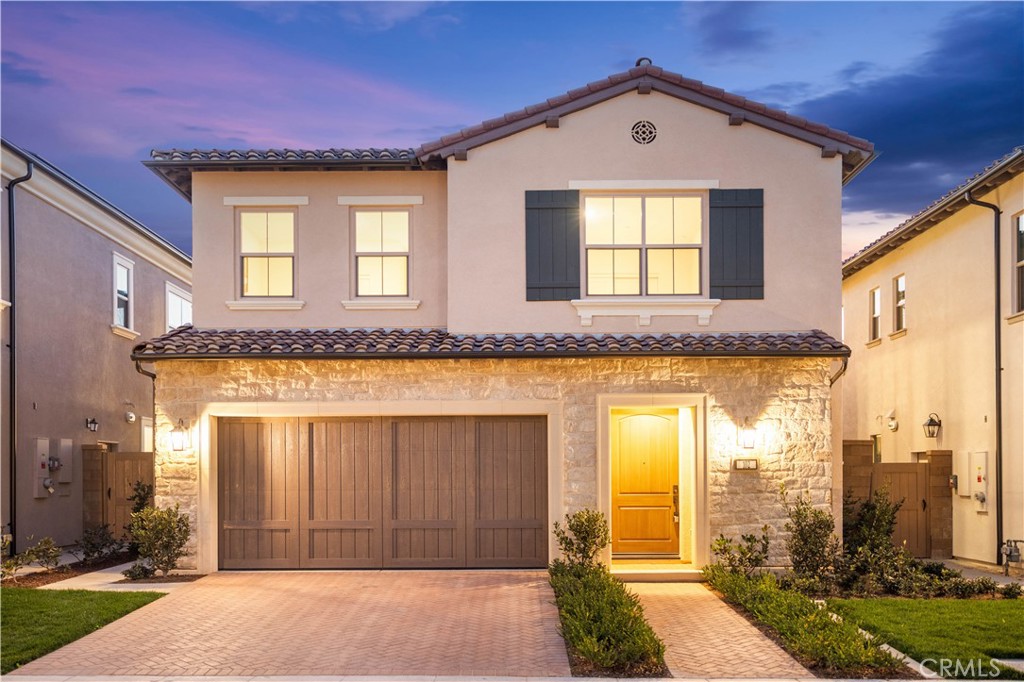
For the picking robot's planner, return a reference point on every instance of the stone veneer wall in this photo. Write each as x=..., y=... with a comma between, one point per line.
x=788, y=397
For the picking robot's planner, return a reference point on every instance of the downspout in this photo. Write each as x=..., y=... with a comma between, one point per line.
x=996, y=213
x=152, y=402
x=841, y=371
x=12, y=450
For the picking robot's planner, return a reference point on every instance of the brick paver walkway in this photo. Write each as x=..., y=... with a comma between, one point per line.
x=705, y=638
x=494, y=623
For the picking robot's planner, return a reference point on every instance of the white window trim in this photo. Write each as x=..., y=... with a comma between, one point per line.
x=266, y=304
x=268, y=202
x=896, y=303
x=367, y=304
x=240, y=256
x=644, y=308
x=169, y=289
x=641, y=185
x=871, y=314
x=409, y=200
x=129, y=331
x=373, y=301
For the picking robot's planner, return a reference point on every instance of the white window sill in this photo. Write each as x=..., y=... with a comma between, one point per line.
x=129, y=334
x=1012, y=319
x=266, y=304
x=898, y=334
x=644, y=308
x=872, y=343
x=4, y=304
x=383, y=304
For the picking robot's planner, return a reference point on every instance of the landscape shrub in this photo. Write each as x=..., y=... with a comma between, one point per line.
x=46, y=554
x=12, y=562
x=1011, y=591
x=97, y=544
x=745, y=556
x=814, y=550
x=161, y=536
x=830, y=644
x=138, y=571
x=968, y=588
x=603, y=623
x=584, y=536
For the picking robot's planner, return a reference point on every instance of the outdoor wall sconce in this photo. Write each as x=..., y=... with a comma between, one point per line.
x=179, y=436
x=92, y=424
x=747, y=435
x=932, y=426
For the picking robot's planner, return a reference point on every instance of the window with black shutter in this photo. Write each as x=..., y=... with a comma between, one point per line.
x=736, y=243
x=552, y=245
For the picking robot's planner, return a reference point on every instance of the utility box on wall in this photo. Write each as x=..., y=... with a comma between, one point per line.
x=978, y=473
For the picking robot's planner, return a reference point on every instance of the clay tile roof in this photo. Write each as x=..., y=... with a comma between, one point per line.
x=227, y=155
x=995, y=174
x=190, y=342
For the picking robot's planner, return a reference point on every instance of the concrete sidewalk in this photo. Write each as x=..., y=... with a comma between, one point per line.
x=108, y=579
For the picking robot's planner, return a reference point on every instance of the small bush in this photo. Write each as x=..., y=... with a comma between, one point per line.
x=46, y=554
x=12, y=562
x=814, y=549
x=832, y=645
x=872, y=523
x=161, y=536
x=1011, y=591
x=584, y=536
x=138, y=571
x=97, y=544
x=967, y=588
x=603, y=622
x=745, y=556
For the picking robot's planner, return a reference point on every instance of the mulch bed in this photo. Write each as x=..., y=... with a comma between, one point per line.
x=166, y=579
x=581, y=667
x=40, y=578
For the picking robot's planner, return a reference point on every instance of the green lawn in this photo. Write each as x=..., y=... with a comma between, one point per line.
x=954, y=629
x=35, y=622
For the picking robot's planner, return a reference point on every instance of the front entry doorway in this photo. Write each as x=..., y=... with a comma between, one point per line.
x=647, y=507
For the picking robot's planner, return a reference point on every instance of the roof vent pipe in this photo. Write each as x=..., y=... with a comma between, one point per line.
x=644, y=61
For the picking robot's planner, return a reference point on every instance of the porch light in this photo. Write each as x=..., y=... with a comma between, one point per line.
x=178, y=436
x=932, y=426
x=747, y=436
x=92, y=424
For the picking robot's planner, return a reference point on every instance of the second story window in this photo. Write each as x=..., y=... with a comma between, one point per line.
x=899, y=297
x=124, y=292
x=643, y=245
x=874, y=314
x=1019, y=269
x=179, y=307
x=382, y=252
x=267, y=244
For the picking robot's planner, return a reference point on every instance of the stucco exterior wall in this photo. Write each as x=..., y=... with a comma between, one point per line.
x=71, y=366
x=788, y=400
x=802, y=194
x=324, y=259
x=945, y=361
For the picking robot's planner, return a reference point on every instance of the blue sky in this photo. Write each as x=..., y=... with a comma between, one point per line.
x=92, y=87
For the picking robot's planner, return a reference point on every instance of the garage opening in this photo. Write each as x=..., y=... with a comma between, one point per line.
x=382, y=492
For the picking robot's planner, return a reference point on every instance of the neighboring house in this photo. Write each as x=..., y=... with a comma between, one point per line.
x=88, y=282
x=922, y=318
x=624, y=298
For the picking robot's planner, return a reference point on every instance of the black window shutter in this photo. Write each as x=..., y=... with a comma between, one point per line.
x=552, y=245
x=736, y=243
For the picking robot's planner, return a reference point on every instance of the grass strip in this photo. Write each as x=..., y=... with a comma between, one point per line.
x=35, y=622
x=954, y=637
x=603, y=624
x=810, y=633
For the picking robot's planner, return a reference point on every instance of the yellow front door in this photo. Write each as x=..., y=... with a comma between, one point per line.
x=645, y=482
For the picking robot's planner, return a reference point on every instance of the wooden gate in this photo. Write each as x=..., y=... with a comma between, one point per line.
x=371, y=492
x=907, y=482
x=107, y=482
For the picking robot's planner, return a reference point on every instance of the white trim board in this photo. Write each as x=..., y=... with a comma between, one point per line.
x=381, y=200
x=266, y=201
x=634, y=185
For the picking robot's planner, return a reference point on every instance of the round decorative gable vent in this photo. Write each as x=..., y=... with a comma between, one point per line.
x=644, y=132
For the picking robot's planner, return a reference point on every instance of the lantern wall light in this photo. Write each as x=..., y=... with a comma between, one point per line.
x=747, y=435
x=932, y=426
x=179, y=436
x=92, y=424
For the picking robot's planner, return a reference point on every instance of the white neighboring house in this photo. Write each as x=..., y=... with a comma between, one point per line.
x=925, y=329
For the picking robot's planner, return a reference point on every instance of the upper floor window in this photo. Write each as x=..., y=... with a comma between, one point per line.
x=899, y=297
x=124, y=292
x=1019, y=269
x=179, y=307
x=874, y=314
x=643, y=245
x=382, y=252
x=267, y=244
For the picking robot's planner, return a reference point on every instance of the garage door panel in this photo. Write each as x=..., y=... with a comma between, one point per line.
x=341, y=491
x=258, y=491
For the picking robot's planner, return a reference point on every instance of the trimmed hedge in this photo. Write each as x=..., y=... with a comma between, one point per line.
x=603, y=622
x=809, y=632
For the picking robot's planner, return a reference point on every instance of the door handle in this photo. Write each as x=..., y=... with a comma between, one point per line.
x=675, y=504
x=108, y=493
x=924, y=505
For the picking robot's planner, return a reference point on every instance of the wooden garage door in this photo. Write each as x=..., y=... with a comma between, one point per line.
x=403, y=492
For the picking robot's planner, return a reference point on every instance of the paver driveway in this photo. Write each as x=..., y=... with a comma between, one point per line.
x=495, y=623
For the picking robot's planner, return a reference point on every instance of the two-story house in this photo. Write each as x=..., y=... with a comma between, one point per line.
x=625, y=297
x=82, y=281
x=935, y=317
